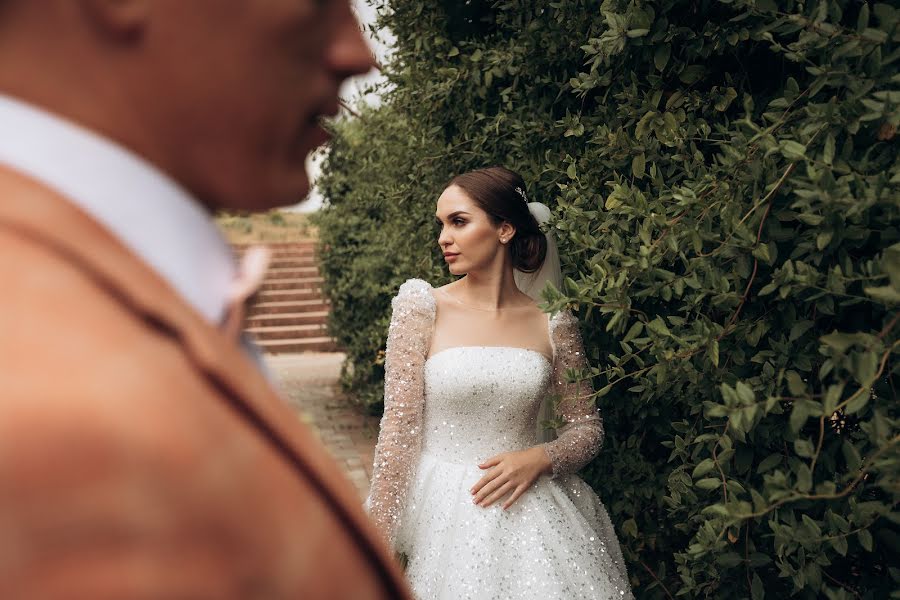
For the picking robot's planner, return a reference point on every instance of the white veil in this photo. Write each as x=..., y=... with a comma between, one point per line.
x=532, y=284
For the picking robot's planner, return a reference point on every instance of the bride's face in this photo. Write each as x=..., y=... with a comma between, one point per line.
x=469, y=238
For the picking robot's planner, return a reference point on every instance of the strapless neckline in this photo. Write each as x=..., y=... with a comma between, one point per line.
x=516, y=348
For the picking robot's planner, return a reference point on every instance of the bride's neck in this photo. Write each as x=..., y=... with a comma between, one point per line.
x=495, y=290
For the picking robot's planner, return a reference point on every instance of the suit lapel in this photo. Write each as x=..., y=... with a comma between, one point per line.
x=34, y=211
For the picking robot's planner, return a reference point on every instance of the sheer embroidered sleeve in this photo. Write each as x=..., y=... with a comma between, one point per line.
x=399, y=439
x=579, y=440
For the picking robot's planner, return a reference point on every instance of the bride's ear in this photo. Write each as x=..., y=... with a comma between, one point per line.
x=506, y=232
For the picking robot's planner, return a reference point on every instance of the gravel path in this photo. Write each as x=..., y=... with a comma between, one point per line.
x=310, y=383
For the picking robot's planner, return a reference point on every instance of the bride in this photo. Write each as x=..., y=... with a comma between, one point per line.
x=462, y=485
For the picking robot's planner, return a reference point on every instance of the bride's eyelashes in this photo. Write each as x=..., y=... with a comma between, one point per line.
x=456, y=221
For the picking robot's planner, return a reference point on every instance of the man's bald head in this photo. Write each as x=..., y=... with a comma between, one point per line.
x=223, y=95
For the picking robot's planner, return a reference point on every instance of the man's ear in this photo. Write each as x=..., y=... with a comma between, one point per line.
x=121, y=18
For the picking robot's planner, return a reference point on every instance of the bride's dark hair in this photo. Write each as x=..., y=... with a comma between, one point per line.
x=501, y=194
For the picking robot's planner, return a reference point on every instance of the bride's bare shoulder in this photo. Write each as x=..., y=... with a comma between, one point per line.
x=444, y=293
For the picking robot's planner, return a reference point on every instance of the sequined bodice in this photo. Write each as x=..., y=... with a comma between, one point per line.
x=481, y=401
x=473, y=401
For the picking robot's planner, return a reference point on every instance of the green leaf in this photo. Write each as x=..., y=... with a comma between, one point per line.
x=633, y=331
x=851, y=456
x=724, y=101
x=762, y=253
x=833, y=397
x=745, y=393
x=890, y=264
x=691, y=74
x=768, y=463
x=571, y=171
x=768, y=289
x=865, y=539
x=703, y=467
x=823, y=239
x=828, y=152
x=886, y=294
x=658, y=326
x=804, y=478
x=799, y=415
x=757, y=590
x=862, y=21
x=713, y=352
x=804, y=448
x=729, y=559
x=839, y=341
x=759, y=503
x=796, y=385
x=661, y=56
x=811, y=219
x=798, y=329
x=839, y=543
x=637, y=165
x=811, y=525
x=710, y=483
x=629, y=527
x=860, y=400
x=863, y=366
x=793, y=150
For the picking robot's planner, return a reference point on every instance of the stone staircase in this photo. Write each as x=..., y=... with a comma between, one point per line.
x=289, y=313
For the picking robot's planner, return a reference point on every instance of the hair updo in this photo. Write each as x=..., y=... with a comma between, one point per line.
x=493, y=189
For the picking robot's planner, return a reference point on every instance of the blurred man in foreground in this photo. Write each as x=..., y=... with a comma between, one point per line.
x=142, y=454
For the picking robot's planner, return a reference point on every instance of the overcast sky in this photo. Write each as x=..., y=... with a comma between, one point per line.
x=350, y=91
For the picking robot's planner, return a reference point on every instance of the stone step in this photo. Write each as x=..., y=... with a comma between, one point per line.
x=316, y=344
x=282, y=267
x=292, y=272
x=290, y=306
x=294, y=263
x=296, y=284
x=318, y=317
x=278, y=245
x=291, y=255
x=287, y=332
x=289, y=295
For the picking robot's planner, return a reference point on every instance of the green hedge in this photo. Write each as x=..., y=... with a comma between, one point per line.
x=726, y=188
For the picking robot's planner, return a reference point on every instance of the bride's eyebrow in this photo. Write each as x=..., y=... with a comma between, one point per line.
x=451, y=215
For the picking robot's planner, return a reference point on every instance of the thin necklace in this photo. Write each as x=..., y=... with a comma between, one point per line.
x=452, y=297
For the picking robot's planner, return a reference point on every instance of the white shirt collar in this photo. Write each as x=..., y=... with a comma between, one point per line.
x=148, y=211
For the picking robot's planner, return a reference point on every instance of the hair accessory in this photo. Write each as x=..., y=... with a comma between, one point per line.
x=522, y=193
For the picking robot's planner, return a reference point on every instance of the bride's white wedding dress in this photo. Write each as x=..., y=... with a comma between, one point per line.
x=449, y=412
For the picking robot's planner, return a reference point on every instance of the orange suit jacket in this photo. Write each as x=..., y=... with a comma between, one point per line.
x=142, y=455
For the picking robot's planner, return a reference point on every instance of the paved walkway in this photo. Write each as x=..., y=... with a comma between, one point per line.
x=310, y=383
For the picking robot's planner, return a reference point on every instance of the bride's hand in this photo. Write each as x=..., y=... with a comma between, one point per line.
x=510, y=473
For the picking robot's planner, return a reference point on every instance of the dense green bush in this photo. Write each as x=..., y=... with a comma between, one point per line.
x=725, y=179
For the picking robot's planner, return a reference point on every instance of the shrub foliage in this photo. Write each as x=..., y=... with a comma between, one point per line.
x=725, y=182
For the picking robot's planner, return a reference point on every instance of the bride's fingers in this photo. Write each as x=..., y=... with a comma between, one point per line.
x=504, y=490
x=491, y=462
x=489, y=488
x=484, y=480
x=515, y=496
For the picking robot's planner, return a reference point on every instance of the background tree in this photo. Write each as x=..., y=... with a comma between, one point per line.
x=726, y=188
